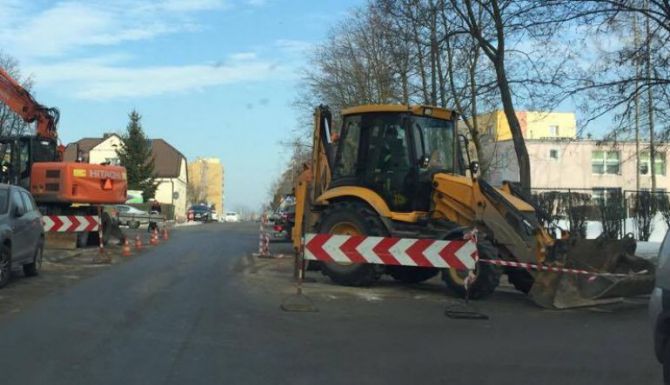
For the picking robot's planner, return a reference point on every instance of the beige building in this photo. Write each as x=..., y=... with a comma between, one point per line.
x=170, y=166
x=206, y=175
x=590, y=164
x=534, y=125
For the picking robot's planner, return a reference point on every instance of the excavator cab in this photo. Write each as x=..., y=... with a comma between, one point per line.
x=19, y=153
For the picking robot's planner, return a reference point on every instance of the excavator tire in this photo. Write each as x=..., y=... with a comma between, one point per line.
x=411, y=274
x=352, y=218
x=487, y=276
x=521, y=279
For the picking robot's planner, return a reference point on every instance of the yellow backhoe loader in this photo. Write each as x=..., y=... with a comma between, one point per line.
x=403, y=171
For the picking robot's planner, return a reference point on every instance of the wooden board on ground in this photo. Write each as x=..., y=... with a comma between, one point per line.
x=63, y=241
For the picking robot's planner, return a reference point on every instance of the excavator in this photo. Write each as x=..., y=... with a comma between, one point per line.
x=35, y=162
x=403, y=171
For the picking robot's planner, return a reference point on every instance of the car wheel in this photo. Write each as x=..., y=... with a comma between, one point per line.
x=5, y=265
x=666, y=363
x=32, y=269
x=134, y=225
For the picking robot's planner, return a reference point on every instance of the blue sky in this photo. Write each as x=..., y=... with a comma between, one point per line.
x=212, y=77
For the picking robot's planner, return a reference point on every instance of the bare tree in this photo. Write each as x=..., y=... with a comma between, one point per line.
x=10, y=122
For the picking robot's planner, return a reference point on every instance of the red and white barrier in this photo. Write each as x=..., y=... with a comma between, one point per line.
x=70, y=223
x=457, y=254
x=553, y=269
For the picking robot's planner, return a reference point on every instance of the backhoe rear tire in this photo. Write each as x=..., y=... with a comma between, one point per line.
x=411, y=274
x=351, y=218
x=487, y=276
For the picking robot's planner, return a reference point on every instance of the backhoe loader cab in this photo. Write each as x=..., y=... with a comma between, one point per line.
x=394, y=152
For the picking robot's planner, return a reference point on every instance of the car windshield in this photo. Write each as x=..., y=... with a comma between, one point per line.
x=434, y=140
x=199, y=209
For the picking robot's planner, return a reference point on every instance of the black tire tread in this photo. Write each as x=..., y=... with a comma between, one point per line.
x=360, y=274
x=488, y=276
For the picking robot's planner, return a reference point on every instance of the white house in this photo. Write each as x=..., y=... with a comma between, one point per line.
x=170, y=165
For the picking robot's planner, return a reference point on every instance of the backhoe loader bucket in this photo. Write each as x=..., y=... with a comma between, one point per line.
x=631, y=275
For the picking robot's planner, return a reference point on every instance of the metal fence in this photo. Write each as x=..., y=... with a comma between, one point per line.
x=608, y=212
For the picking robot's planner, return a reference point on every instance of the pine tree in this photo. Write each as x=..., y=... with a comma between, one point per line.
x=135, y=155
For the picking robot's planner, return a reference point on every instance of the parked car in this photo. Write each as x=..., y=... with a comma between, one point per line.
x=232, y=217
x=131, y=216
x=284, y=221
x=659, y=308
x=200, y=213
x=215, y=216
x=21, y=233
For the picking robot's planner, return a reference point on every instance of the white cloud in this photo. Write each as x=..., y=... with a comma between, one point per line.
x=293, y=46
x=97, y=80
x=28, y=32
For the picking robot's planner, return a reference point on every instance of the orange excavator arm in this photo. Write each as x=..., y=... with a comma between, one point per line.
x=22, y=103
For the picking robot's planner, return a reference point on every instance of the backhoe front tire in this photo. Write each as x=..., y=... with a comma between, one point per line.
x=351, y=218
x=487, y=276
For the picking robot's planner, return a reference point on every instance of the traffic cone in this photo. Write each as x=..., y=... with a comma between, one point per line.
x=138, y=242
x=126, y=248
x=154, y=237
x=165, y=234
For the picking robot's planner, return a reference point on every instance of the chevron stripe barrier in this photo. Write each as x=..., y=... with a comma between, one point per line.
x=70, y=223
x=456, y=254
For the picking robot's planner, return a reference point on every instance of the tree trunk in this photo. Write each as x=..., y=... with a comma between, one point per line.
x=514, y=126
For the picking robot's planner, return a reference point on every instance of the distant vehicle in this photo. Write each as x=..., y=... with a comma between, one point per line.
x=284, y=219
x=232, y=217
x=131, y=216
x=659, y=308
x=21, y=233
x=215, y=216
x=200, y=213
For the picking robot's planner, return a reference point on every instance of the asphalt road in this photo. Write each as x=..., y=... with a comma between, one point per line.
x=183, y=313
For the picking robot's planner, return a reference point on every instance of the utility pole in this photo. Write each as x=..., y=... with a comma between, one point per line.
x=650, y=104
x=636, y=42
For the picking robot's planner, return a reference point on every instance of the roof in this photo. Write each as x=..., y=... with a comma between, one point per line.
x=167, y=159
x=441, y=113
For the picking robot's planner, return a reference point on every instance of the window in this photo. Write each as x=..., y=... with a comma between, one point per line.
x=553, y=154
x=4, y=200
x=605, y=162
x=113, y=161
x=28, y=202
x=348, y=157
x=17, y=201
x=603, y=194
x=553, y=130
x=645, y=163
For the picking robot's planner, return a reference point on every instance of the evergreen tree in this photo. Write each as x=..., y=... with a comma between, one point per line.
x=135, y=155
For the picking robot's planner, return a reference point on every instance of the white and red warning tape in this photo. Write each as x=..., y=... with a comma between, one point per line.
x=70, y=223
x=553, y=269
x=457, y=254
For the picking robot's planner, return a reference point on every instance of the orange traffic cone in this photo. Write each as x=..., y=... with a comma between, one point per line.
x=154, y=237
x=126, y=248
x=138, y=242
x=165, y=234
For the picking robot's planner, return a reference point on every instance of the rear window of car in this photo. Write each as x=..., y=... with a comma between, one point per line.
x=4, y=201
x=199, y=209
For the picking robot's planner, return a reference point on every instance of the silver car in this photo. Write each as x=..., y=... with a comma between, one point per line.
x=659, y=308
x=21, y=233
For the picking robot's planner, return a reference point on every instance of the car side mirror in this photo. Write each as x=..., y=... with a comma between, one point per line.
x=474, y=167
x=17, y=212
